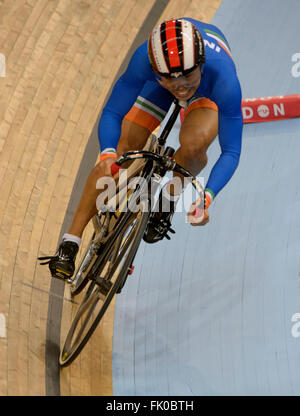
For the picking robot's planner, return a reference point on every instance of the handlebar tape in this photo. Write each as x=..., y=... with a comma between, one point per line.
x=114, y=169
x=198, y=212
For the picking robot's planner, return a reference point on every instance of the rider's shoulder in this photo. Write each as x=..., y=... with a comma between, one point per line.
x=139, y=62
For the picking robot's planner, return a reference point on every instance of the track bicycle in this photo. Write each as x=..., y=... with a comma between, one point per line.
x=108, y=259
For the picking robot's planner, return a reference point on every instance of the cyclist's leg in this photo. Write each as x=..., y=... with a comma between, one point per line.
x=146, y=114
x=133, y=136
x=198, y=131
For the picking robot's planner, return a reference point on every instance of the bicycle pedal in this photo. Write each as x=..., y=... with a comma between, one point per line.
x=62, y=272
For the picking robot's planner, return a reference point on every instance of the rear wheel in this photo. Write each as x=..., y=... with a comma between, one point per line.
x=108, y=278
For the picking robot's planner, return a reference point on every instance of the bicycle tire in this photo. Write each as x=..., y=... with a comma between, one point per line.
x=70, y=350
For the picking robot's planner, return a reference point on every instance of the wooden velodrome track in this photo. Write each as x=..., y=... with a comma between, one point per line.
x=61, y=58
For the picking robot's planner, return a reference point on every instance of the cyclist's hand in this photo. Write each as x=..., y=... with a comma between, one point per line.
x=197, y=215
x=107, y=164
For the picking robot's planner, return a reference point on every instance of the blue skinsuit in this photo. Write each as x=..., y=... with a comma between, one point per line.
x=219, y=83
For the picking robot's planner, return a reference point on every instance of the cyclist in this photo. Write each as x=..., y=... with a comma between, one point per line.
x=186, y=59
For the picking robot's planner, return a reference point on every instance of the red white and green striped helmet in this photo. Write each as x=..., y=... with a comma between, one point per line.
x=175, y=48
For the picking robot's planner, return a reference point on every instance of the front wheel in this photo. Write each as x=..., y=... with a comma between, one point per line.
x=111, y=275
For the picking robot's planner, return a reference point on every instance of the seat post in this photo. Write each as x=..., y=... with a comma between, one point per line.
x=170, y=123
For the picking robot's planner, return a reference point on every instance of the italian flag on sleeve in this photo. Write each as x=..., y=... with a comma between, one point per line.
x=220, y=41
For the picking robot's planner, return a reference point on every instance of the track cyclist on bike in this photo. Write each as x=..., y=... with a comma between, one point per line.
x=186, y=59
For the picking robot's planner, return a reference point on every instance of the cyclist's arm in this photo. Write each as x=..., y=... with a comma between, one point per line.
x=228, y=97
x=122, y=98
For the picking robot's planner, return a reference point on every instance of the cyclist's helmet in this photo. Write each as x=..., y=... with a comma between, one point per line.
x=175, y=48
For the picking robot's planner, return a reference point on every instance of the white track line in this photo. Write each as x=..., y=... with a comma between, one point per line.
x=2, y=326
